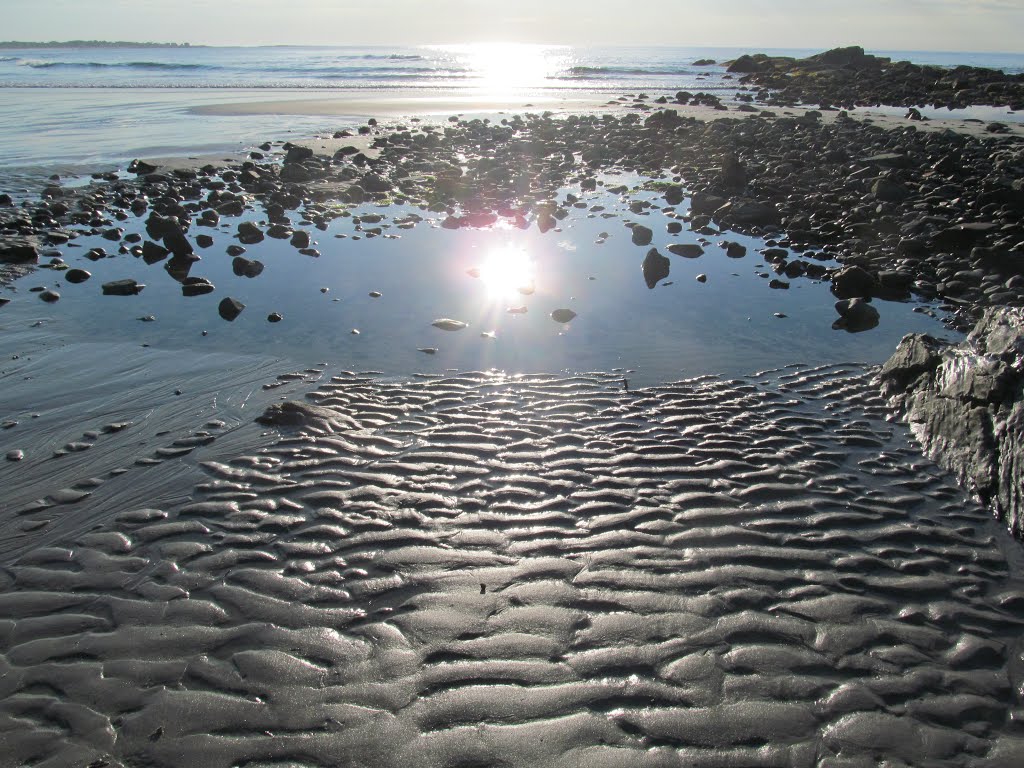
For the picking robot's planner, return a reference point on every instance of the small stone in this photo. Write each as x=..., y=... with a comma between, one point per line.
x=274, y=317
x=447, y=324
x=563, y=315
x=77, y=275
x=15, y=455
x=127, y=287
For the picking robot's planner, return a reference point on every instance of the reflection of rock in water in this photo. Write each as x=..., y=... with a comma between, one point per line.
x=655, y=267
x=535, y=571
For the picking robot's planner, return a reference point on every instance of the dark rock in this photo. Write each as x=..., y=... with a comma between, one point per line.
x=966, y=403
x=230, y=308
x=745, y=212
x=157, y=226
x=546, y=221
x=734, y=173
x=245, y=267
x=152, y=253
x=274, y=317
x=249, y=233
x=704, y=203
x=674, y=194
x=963, y=236
x=296, y=414
x=354, y=194
x=855, y=315
x=297, y=154
x=745, y=64
x=655, y=267
x=674, y=227
x=76, y=275
x=373, y=182
x=141, y=167
x=854, y=282
x=279, y=231
x=889, y=191
x=196, y=286
x=686, y=250
x=204, y=241
x=735, y=250
x=231, y=208
x=49, y=296
x=178, y=267
x=642, y=235
x=126, y=287
x=18, y=252
x=300, y=239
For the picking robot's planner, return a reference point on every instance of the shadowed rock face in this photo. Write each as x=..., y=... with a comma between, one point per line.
x=537, y=571
x=966, y=405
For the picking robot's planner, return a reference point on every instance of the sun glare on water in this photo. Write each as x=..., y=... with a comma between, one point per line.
x=501, y=68
x=508, y=273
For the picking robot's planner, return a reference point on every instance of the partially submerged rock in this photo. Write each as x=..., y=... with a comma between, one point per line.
x=127, y=287
x=230, y=308
x=965, y=403
x=296, y=414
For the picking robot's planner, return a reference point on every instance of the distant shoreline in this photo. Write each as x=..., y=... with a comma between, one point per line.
x=92, y=44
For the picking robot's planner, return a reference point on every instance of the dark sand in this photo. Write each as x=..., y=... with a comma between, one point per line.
x=533, y=571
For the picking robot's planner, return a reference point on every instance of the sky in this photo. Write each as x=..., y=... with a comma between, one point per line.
x=936, y=25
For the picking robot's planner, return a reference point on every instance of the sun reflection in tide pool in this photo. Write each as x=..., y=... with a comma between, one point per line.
x=507, y=273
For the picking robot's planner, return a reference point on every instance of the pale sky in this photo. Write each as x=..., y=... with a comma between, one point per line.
x=938, y=25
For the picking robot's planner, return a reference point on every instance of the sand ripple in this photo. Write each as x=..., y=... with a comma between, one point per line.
x=476, y=570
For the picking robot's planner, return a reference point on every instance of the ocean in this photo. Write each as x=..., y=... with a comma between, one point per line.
x=76, y=110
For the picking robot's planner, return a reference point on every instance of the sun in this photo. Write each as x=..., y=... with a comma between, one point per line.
x=508, y=273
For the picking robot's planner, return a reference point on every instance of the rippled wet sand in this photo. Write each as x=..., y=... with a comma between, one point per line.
x=533, y=570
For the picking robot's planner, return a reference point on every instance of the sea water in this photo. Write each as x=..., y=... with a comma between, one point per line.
x=75, y=110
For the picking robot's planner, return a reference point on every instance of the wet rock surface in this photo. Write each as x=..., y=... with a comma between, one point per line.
x=965, y=403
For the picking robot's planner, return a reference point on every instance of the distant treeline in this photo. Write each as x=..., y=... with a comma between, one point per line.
x=90, y=44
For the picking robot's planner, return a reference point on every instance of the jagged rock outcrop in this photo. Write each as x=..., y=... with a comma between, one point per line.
x=965, y=403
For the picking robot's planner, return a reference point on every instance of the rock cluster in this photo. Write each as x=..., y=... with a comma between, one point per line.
x=965, y=403
x=849, y=77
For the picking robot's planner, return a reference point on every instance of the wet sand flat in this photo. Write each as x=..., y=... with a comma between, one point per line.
x=533, y=570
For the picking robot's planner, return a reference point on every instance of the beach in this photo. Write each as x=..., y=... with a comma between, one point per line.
x=492, y=431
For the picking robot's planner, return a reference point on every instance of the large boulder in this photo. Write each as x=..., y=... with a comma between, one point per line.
x=18, y=251
x=965, y=403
